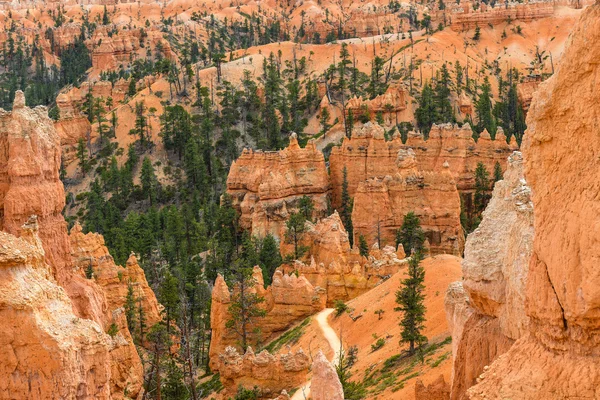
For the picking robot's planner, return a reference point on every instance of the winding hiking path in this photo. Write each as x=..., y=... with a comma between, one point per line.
x=334, y=342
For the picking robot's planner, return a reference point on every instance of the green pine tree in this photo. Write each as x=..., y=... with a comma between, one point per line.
x=411, y=235
x=346, y=207
x=411, y=302
x=363, y=246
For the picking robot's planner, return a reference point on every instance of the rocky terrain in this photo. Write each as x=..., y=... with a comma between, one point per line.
x=298, y=200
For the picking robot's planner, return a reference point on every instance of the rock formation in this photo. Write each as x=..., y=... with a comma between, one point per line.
x=268, y=373
x=30, y=185
x=486, y=311
x=266, y=186
x=47, y=351
x=558, y=357
x=331, y=264
x=450, y=144
x=71, y=127
x=391, y=104
x=438, y=390
x=325, y=384
x=387, y=179
x=288, y=300
x=89, y=250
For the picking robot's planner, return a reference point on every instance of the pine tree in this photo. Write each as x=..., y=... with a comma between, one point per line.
x=426, y=114
x=411, y=235
x=296, y=227
x=130, y=311
x=346, y=207
x=482, y=187
x=244, y=309
x=270, y=257
x=306, y=207
x=169, y=298
x=82, y=156
x=363, y=246
x=497, y=172
x=411, y=302
x=148, y=180
x=444, y=112
x=483, y=108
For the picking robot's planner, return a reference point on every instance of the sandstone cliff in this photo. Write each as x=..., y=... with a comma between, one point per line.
x=558, y=357
x=325, y=384
x=486, y=310
x=89, y=250
x=266, y=186
x=30, y=185
x=270, y=374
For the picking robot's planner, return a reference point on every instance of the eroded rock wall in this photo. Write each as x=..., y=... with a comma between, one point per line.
x=271, y=374
x=47, y=351
x=30, y=185
x=559, y=357
x=487, y=309
x=341, y=271
x=267, y=186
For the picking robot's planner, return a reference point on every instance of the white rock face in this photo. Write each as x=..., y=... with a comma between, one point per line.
x=325, y=382
x=497, y=253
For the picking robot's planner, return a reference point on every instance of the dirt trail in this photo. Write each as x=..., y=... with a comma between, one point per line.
x=334, y=342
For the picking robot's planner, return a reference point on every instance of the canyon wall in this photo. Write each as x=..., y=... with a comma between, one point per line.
x=47, y=351
x=71, y=126
x=388, y=179
x=486, y=310
x=559, y=356
x=267, y=186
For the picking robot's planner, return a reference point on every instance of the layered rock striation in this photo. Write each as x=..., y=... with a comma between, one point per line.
x=341, y=271
x=99, y=366
x=47, y=351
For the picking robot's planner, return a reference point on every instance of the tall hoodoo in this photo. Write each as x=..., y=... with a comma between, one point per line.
x=486, y=310
x=559, y=357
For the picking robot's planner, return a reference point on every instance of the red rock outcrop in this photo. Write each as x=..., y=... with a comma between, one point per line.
x=438, y=390
x=331, y=264
x=89, y=250
x=47, y=351
x=559, y=356
x=390, y=104
x=387, y=179
x=466, y=18
x=325, y=384
x=288, y=300
x=270, y=374
x=266, y=186
x=486, y=310
x=71, y=127
x=456, y=146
